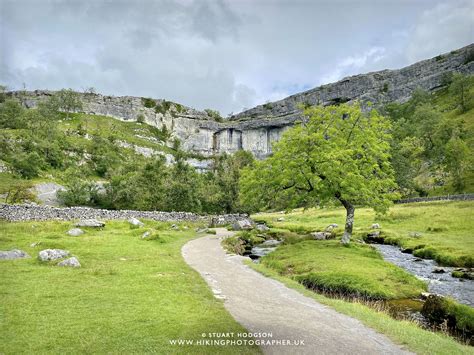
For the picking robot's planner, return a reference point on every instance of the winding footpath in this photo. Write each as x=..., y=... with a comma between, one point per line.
x=264, y=305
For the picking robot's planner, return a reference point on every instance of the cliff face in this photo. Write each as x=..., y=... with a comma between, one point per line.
x=255, y=129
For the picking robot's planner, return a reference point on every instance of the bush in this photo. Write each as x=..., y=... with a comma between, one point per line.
x=28, y=165
x=148, y=102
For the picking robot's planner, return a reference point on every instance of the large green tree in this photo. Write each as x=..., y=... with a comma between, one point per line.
x=340, y=153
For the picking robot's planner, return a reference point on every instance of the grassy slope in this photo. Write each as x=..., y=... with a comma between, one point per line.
x=331, y=267
x=130, y=296
x=446, y=227
x=402, y=332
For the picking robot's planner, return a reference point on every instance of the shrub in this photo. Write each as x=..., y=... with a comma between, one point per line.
x=148, y=102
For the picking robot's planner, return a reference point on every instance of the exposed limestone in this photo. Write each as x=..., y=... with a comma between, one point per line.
x=13, y=254
x=75, y=232
x=70, y=262
x=256, y=129
x=52, y=254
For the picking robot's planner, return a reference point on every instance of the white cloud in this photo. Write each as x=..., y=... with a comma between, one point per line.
x=447, y=26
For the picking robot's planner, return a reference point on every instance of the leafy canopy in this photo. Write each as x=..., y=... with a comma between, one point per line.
x=339, y=153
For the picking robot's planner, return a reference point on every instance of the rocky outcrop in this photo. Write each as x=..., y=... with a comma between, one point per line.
x=256, y=129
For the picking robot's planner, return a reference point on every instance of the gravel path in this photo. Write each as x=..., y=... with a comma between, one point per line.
x=264, y=305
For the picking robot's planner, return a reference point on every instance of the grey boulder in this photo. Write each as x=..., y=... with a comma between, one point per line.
x=321, y=235
x=135, y=222
x=52, y=254
x=13, y=254
x=262, y=227
x=243, y=224
x=75, y=232
x=375, y=226
x=70, y=262
x=90, y=223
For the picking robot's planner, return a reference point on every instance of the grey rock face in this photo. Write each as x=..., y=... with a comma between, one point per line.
x=13, y=254
x=256, y=129
x=135, y=222
x=70, y=262
x=75, y=232
x=90, y=223
x=47, y=193
x=375, y=226
x=52, y=254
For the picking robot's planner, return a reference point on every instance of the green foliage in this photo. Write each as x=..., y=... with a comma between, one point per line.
x=339, y=154
x=68, y=101
x=141, y=118
x=459, y=89
x=213, y=114
x=148, y=102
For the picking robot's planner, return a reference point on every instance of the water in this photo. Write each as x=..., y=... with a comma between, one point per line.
x=440, y=283
x=263, y=249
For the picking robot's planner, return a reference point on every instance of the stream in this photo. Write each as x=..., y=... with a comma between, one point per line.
x=440, y=283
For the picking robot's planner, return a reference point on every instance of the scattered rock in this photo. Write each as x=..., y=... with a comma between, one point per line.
x=145, y=235
x=13, y=254
x=414, y=234
x=202, y=230
x=417, y=260
x=331, y=227
x=135, y=222
x=52, y=254
x=75, y=232
x=280, y=219
x=70, y=262
x=375, y=226
x=94, y=223
x=262, y=227
x=243, y=224
x=425, y=295
x=322, y=235
x=35, y=244
x=270, y=243
x=438, y=270
x=174, y=226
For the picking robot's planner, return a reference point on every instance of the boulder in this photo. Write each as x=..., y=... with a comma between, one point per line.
x=13, y=254
x=375, y=226
x=438, y=270
x=52, y=254
x=270, y=243
x=322, y=235
x=70, y=262
x=262, y=227
x=75, y=232
x=243, y=224
x=90, y=223
x=135, y=222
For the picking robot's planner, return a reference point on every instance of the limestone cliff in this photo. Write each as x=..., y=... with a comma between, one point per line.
x=255, y=129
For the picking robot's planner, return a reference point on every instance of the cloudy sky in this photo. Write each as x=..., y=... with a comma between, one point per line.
x=222, y=54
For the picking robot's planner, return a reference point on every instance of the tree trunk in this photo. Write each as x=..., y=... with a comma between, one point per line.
x=346, y=237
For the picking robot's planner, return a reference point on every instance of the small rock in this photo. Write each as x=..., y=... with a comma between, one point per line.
x=75, y=232
x=406, y=250
x=202, y=230
x=414, y=234
x=35, y=244
x=280, y=219
x=322, y=235
x=243, y=224
x=334, y=225
x=52, y=254
x=375, y=226
x=270, y=243
x=135, y=222
x=174, y=226
x=262, y=227
x=425, y=295
x=13, y=254
x=70, y=262
x=145, y=235
x=90, y=223
x=438, y=270
x=417, y=260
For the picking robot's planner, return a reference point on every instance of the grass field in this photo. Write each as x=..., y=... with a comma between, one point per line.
x=445, y=227
x=131, y=295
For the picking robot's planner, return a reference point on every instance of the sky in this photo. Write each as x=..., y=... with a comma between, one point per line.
x=227, y=55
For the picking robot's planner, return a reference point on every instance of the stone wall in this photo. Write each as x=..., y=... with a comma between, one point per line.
x=461, y=197
x=17, y=213
x=256, y=129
